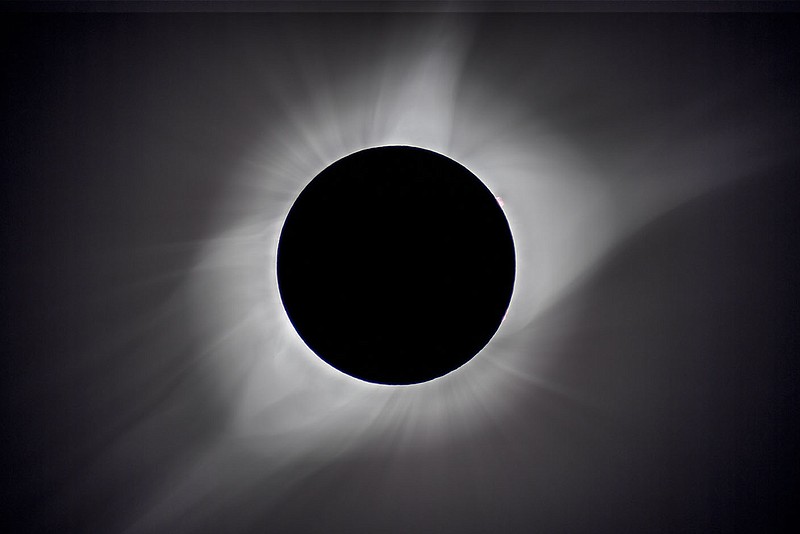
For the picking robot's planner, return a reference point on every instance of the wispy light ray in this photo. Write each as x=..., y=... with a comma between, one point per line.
x=563, y=215
x=567, y=208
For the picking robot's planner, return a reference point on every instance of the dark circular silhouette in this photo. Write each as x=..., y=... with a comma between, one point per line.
x=396, y=265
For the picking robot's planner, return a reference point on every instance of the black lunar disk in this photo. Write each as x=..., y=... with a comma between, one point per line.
x=396, y=265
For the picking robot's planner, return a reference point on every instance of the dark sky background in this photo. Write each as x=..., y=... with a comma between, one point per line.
x=654, y=391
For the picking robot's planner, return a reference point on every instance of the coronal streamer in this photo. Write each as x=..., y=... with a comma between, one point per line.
x=639, y=380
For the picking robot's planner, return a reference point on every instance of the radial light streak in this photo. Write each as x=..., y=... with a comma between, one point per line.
x=564, y=215
x=566, y=210
x=646, y=166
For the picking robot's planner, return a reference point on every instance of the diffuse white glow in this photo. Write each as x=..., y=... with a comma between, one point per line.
x=563, y=215
x=566, y=209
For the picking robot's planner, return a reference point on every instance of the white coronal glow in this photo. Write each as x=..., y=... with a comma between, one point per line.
x=563, y=217
x=569, y=200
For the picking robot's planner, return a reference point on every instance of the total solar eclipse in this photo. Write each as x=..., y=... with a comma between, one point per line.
x=396, y=265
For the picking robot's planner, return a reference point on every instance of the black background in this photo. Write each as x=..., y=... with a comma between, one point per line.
x=119, y=136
